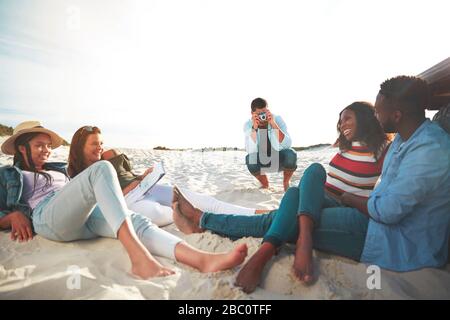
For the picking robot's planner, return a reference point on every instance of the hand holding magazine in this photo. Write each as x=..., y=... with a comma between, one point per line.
x=146, y=184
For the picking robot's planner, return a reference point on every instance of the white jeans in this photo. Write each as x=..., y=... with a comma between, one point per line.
x=92, y=205
x=157, y=204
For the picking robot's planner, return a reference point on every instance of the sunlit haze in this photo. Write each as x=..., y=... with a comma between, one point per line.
x=183, y=73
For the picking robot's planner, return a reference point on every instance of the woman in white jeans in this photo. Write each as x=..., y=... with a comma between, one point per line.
x=89, y=206
x=86, y=148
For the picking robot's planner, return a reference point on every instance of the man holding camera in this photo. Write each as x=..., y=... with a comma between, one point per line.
x=268, y=145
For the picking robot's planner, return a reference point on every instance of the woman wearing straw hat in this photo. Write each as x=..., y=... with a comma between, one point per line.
x=88, y=206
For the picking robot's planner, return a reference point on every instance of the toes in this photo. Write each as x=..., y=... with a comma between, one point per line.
x=245, y=287
x=302, y=277
x=169, y=272
x=307, y=279
x=242, y=248
x=238, y=284
x=249, y=289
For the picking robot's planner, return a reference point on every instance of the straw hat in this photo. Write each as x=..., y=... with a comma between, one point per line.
x=27, y=127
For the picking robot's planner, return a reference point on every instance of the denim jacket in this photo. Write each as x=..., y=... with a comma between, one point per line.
x=11, y=187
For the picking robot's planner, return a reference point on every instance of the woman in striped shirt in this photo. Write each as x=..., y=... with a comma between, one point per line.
x=354, y=169
x=362, y=146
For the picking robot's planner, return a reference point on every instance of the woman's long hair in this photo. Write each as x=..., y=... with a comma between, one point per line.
x=76, y=156
x=26, y=163
x=368, y=129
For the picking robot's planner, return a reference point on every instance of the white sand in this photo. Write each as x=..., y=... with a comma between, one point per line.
x=39, y=269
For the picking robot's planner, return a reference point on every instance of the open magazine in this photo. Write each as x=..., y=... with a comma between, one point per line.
x=146, y=184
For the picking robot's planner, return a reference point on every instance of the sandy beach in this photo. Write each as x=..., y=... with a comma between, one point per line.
x=43, y=269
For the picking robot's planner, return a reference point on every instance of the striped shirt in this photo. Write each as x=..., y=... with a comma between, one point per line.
x=355, y=171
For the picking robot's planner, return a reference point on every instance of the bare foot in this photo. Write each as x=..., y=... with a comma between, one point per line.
x=150, y=268
x=250, y=275
x=263, y=180
x=287, y=175
x=182, y=222
x=223, y=261
x=303, y=261
x=186, y=208
x=262, y=211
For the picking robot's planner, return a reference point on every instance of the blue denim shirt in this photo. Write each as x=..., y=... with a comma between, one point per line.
x=410, y=208
x=11, y=187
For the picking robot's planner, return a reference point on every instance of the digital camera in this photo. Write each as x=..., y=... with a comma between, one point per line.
x=262, y=116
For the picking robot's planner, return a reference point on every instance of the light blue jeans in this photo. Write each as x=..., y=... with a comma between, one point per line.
x=92, y=205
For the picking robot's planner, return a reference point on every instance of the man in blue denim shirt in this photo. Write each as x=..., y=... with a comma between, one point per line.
x=404, y=225
x=268, y=145
x=409, y=209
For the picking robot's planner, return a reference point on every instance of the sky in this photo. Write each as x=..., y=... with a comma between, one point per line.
x=182, y=74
